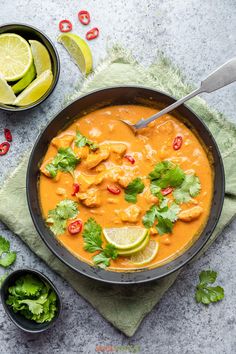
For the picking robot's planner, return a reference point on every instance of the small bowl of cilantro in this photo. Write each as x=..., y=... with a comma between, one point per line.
x=31, y=300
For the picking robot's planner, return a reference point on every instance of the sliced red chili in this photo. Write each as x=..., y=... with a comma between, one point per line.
x=4, y=147
x=166, y=191
x=75, y=189
x=112, y=188
x=84, y=17
x=130, y=159
x=177, y=143
x=92, y=34
x=8, y=135
x=65, y=26
x=75, y=227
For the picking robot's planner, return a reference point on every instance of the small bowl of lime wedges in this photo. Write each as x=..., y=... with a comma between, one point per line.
x=29, y=67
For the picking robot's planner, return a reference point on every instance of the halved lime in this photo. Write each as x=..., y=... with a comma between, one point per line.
x=35, y=90
x=125, y=238
x=79, y=50
x=7, y=95
x=136, y=249
x=41, y=57
x=147, y=255
x=26, y=80
x=15, y=56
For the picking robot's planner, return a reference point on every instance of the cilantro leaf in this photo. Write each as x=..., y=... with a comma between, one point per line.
x=164, y=225
x=8, y=259
x=150, y=216
x=190, y=188
x=64, y=161
x=81, y=141
x=104, y=257
x=133, y=189
x=92, y=236
x=4, y=245
x=57, y=218
x=205, y=293
x=167, y=174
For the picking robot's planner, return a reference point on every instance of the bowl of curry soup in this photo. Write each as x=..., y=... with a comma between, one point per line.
x=120, y=207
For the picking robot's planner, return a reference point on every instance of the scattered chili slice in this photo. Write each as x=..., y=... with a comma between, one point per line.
x=75, y=189
x=112, y=188
x=84, y=17
x=130, y=159
x=8, y=135
x=177, y=143
x=166, y=191
x=92, y=34
x=4, y=148
x=75, y=227
x=65, y=26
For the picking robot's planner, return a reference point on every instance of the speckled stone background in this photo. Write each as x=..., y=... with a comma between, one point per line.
x=197, y=36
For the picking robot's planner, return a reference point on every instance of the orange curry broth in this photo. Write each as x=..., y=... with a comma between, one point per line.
x=149, y=147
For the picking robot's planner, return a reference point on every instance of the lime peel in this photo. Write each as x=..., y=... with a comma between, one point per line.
x=125, y=238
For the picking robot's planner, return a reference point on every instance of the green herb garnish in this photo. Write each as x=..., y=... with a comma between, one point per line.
x=92, y=236
x=133, y=189
x=205, y=293
x=81, y=141
x=33, y=299
x=64, y=161
x=165, y=174
x=7, y=257
x=57, y=218
x=189, y=188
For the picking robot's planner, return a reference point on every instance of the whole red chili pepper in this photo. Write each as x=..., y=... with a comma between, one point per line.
x=65, y=26
x=75, y=189
x=92, y=34
x=177, y=143
x=75, y=227
x=8, y=135
x=84, y=17
x=4, y=148
x=112, y=188
x=166, y=191
x=130, y=159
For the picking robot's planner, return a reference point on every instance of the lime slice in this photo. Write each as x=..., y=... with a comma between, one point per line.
x=7, y=95
x=15, y=56
x=26, y=80
x=35, y=90
x=41, y=57
x=136, y=249
x=79, y=50
x=147, y=255
x=125, y=238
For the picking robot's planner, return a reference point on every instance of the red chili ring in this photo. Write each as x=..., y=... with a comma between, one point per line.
x=4, y=148
x=84, y=17
x=112, y=188
x=8, y=135
x=166, y=191
x=75, y=189
x=177, y=143
x=65, y=26
x=75, y=227
x=130, y=159
x=92, y=34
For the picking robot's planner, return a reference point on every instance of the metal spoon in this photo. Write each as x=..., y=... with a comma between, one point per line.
x=223, y=76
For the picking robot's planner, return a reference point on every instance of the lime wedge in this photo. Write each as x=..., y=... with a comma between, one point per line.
x=125, y=238
x=35, y=90
x=41, y=57
x=147, y=255
x=15, y=56
x=26, y=80
x=136, y=249
x=79, y=50
x=7, y=95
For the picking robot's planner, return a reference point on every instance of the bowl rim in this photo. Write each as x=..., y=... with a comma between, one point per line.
x=107, y=276
x=9, y=108
x=41, y=276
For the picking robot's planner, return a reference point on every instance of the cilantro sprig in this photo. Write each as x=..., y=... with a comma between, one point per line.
x=206, y=293
x=189, y=188
x=133, y=189
x=64, y=161
x=92, y=236
x=166, y=174
x=7, y=257
x=57, y=218
x=81, y=141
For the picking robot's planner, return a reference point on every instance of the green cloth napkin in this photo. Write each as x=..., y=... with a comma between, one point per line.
x=123, y=306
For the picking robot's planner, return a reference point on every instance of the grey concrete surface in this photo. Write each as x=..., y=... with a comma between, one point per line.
x=197, y=36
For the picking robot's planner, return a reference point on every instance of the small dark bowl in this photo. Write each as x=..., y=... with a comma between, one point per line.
x=30, y=32
x=19, y=320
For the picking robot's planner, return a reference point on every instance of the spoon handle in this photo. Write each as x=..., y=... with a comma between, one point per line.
x=223, y=76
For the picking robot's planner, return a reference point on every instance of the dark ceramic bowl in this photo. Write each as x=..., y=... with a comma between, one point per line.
x=103, y=98
x=19, y=320
x=30, y=32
